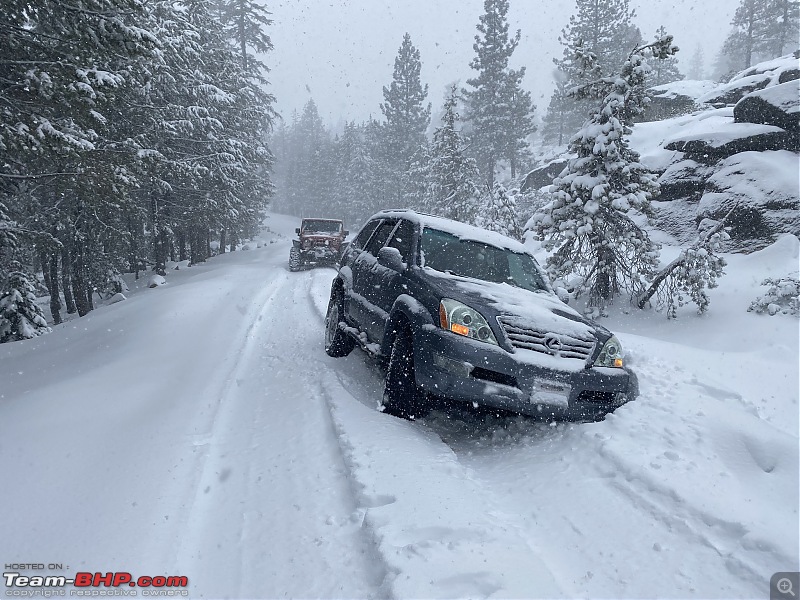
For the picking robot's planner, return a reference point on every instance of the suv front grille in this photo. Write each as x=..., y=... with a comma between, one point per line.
x=555, y=344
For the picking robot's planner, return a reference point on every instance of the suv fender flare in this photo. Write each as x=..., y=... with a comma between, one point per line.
x=296, y=244
x=405, y=308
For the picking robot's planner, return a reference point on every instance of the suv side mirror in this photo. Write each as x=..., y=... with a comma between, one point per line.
x=345, y=233
x=391, y=259
x=297, y=230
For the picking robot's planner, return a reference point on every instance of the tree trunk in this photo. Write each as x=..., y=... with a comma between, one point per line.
x=490, y=172
x=55, y=299
x=66, y=280
x=233, y=242
x=79, y=281
x=182, y=245
x=44, y=262
x=159, y=251
x=222, y=241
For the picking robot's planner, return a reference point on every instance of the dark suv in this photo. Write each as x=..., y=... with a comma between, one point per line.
x=467, y=314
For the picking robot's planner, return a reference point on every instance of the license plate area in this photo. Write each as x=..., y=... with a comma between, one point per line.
x=549, y=391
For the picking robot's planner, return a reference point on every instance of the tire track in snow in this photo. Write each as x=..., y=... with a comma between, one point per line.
x=206, y=467
x=429, y=517
x=270, y=506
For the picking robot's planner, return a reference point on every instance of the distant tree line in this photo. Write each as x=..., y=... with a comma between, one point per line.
x=760, y=30
x=391, y=162
x=131, y=132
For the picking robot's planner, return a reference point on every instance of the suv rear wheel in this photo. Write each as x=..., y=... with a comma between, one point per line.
x=401, y=395
x=337, y=342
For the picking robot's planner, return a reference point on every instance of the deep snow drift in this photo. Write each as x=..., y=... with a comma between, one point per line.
x=199, y=429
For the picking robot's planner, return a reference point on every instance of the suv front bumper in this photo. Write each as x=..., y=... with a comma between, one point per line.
x=461, y=369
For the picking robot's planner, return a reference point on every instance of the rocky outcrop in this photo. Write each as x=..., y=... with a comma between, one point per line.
x=544, y=175
x=762, y=188
x=777, y=105
x=676, y=98
x=758, y=77
x=750, y=137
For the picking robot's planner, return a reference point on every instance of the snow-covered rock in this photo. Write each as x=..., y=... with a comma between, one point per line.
x=777, y=105
x=155, y=281
x=675, y=98
x=118, y=297
x=763, y=186
x=766, y=74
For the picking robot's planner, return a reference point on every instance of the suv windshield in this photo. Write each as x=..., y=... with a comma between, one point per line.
x=448, y=253
x=321, y=226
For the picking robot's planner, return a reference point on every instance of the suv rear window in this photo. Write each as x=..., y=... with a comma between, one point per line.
x=448, y=253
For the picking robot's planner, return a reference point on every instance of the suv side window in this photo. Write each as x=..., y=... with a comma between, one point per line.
x=377, y=241
x=402, y=239
x=364, y=234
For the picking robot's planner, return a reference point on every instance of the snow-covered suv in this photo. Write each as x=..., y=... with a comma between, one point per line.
x=467, y=314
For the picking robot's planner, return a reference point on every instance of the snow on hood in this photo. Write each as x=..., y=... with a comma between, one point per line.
x=538, y=310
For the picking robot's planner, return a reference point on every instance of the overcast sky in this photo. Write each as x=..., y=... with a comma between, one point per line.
x=341, y=53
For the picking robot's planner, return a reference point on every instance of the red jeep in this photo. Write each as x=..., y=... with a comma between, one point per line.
x=320, y=242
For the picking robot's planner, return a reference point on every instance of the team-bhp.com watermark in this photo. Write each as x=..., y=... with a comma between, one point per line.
x=114, y=583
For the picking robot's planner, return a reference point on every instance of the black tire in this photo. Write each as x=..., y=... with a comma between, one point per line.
x=401, y=395
x=337, y=342
x=295, y=259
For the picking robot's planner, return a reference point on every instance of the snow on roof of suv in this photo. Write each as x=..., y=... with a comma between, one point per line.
x=461, y=230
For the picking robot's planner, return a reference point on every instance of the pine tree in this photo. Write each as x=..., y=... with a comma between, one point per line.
x=20, y=316
x=407, y=119
x=782, y=27
x=696, y=68
x=453, y=191
x=497, y=108
x=589, y=222
x=499, y=212
x=246, y=24
x=603, y=27
x=760, y=30
x=664, y=70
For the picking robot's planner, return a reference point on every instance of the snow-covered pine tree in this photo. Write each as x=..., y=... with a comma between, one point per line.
x=20, y=316
x=352, y=192
x=665, y=70
x=453, y=192
x=604, y=27
x=499, y=212
x=8, y=238
x=696, y=269
x=591, y=222
x=497, y=108
x=521, y=109
x=246, y=23
x=407, y=118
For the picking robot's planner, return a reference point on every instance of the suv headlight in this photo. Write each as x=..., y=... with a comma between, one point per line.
x=463, y=320
x=611, y=354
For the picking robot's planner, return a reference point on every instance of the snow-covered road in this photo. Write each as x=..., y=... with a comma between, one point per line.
x=199, y=429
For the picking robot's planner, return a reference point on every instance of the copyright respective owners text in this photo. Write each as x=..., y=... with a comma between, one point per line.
x=52, y=579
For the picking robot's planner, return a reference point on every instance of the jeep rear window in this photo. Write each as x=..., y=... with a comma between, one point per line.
x=312, y=226
x=448, y=253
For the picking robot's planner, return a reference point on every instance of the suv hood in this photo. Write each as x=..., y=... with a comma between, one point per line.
x=539, y=310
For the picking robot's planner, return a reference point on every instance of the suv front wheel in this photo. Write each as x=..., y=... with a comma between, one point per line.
x=401, y=395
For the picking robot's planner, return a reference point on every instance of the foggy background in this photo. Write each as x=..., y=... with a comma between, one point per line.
x=341, y=54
